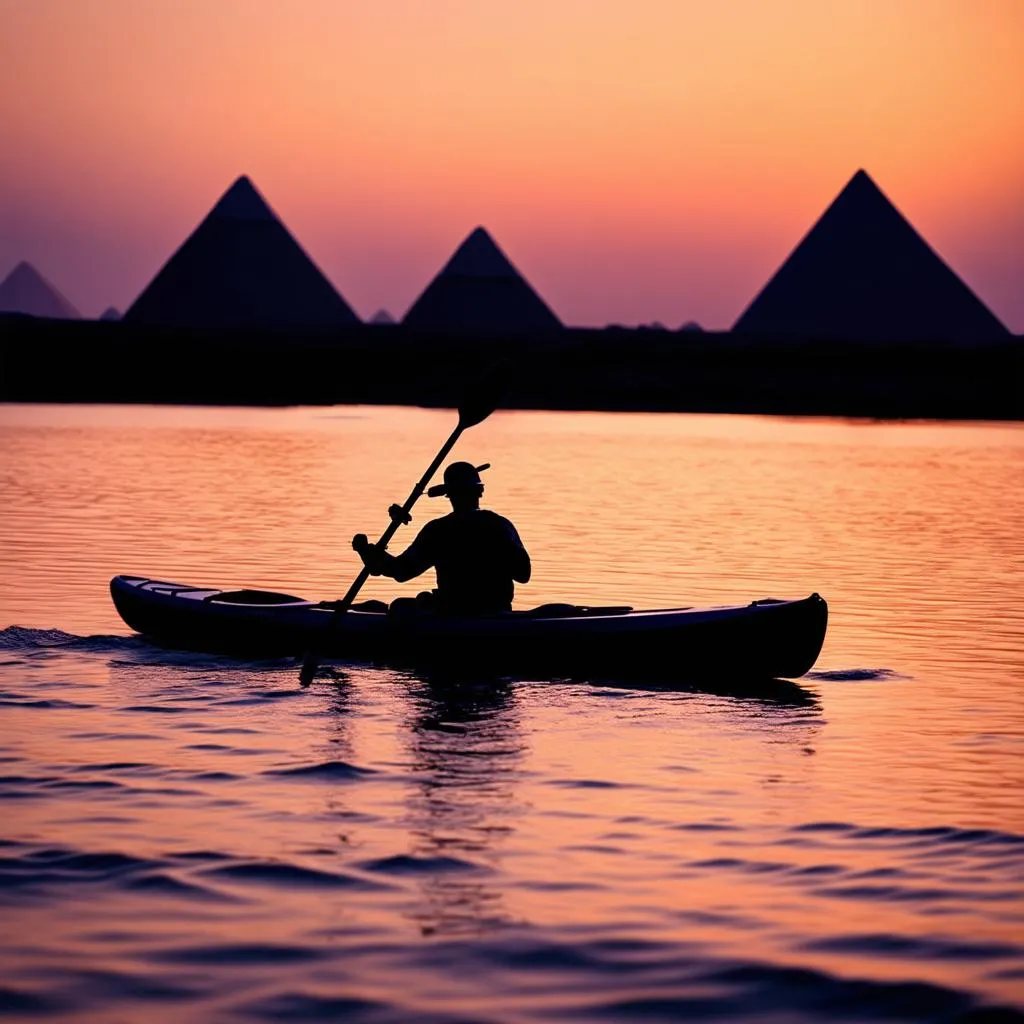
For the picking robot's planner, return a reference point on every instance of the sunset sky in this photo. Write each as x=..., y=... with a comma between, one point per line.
x=638, y=160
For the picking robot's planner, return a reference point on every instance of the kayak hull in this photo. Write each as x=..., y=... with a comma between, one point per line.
x=764, y=639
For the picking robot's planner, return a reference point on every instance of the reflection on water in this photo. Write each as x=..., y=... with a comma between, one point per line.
x=768, y=691
x=190, y=836
x=465, y=750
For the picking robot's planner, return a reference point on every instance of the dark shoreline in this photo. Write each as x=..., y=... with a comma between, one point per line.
x=611, y=370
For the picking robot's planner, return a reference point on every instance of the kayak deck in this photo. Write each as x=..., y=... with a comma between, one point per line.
x=763, y=639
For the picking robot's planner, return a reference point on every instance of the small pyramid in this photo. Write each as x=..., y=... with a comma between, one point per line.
x=863, y=272
x=691, y=327
x=241, y=267
x=382, y=318
x=479, y=289
x=25, y=290
x=111, y=313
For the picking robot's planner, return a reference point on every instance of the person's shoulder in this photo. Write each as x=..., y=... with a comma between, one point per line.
x=493, y=517
x=499, y=522
x=433, y=528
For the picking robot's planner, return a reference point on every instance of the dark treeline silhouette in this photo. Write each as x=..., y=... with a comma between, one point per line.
x=570, y=368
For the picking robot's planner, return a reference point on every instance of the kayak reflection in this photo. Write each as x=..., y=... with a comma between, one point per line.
x=464, y=690
x=782, y=692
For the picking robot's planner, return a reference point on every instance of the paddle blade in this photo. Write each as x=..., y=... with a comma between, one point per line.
x=484, y=396
x=309, y=669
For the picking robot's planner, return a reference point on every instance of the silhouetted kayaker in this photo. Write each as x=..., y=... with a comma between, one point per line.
x=476, y=554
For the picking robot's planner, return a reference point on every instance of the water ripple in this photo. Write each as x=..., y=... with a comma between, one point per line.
x=930, y=835
x=326, y=771
x=40, y=871
x=278, y=875
x=307, y=1006
x=407, y=864
x=854, y=675
x=923, y=948
x=242, y=954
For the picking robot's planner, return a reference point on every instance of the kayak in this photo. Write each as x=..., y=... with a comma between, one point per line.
x=765, y=639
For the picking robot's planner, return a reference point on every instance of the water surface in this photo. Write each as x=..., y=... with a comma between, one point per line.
x=193, y=837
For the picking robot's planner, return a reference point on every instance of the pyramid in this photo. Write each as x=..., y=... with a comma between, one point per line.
x=863, y=272
x=111, y=313
x=241, y=268
x=25, y=290
x=382, y=318
x=479, y=289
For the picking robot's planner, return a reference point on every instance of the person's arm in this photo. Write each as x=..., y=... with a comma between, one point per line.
x=415, y=560
x=519, y=558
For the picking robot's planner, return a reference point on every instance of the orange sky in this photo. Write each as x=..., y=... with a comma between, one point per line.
x=638, y=159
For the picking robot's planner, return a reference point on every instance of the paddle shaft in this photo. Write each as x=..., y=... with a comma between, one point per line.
x=310, y=665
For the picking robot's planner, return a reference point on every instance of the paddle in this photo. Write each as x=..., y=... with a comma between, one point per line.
x=475, y=408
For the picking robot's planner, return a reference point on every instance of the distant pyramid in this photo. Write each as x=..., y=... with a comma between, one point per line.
x=241, y=268
x=25, y=290
x=382, y=317
x=478, y=289
x=863, y=272
x=111, y=313
x=692, y=327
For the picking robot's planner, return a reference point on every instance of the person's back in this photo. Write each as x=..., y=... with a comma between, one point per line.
x=477, y=554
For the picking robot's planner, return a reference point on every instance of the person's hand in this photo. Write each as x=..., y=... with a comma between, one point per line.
x=399, y=515
x=369, y=553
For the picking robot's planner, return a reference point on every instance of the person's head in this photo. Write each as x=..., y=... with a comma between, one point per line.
x=462, y=485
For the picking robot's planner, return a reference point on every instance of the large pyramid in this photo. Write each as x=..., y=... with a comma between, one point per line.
x=863, y=272
x=479, y=289
x=25, y=290
x=241, y=268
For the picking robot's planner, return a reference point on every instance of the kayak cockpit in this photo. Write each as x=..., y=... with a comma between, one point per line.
x=244, y=597
x=254, y=597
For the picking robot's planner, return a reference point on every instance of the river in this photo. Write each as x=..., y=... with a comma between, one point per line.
x=188, y=836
